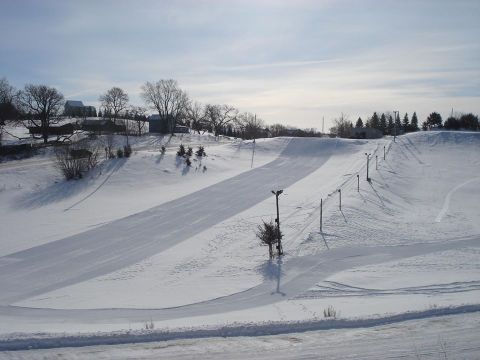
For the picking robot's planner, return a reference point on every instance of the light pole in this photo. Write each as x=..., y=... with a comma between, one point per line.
x=277, y=220
x=340, y=199
x=395, y=115
x=368, y=161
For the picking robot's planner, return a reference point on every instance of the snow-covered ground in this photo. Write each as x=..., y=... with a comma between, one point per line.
x=146, y=240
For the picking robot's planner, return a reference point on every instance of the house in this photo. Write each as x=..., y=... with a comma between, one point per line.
x=103, y=126
x=365, y=133
x=75, y=108
x=160, y=124
x=181, y=129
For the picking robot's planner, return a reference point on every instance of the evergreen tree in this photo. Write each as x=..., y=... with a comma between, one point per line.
x=390, y=125
x=434, y=120
x=398, y=123
x=375, y=121
x=359, y=123
x=383, y=124
x=414, y=123
x=406, y=123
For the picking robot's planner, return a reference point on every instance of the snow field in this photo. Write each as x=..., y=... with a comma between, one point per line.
x=405, y=246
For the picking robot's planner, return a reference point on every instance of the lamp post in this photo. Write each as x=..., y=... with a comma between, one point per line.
x=277, y=220
x=395, y=115
x=368, y=161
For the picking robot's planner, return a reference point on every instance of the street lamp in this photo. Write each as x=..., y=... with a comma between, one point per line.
x=368, y=161
x=395, y=115
x=277, y=220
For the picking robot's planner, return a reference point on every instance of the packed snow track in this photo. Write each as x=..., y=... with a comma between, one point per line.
x=126, y=241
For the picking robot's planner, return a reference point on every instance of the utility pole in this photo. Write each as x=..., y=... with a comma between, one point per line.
x=383, y=152
x=277, y=220
x=358, y=182
x=253, y=149
x=340, y=199
x=368, y=161
x=395, y=115
x=376, y=162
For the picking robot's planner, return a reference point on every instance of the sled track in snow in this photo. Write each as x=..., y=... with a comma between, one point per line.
x=129, y=240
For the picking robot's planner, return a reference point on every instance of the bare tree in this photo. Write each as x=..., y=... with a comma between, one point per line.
x=44, y=104
x=217, y=116
x=250, y=126
x=166, y=97
x=138, y=115
x=8, y=110
x=277, y=130
x=343, y=127
x=195, y=114
x=114, y=101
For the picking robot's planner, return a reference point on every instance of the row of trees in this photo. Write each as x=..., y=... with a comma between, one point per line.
x=43, y=106
x=388, y=124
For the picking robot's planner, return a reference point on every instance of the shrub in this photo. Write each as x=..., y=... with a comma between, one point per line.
x=188, y=161
x=268, y=233
x=330, y=312
x=200, y=151
x=181, y=150
x=73, y=167
x=189, y=151
x=119, y=153
x=162, y=149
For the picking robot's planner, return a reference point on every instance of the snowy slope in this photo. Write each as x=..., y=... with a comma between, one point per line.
x=407, y=241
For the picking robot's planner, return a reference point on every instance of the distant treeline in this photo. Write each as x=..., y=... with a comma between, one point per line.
x=391, y=124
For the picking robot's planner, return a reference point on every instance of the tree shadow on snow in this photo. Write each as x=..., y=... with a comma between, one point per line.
x=63, y=189
x=272, y=270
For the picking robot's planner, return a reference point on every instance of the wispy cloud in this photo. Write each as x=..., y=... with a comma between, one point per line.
x=288, y=61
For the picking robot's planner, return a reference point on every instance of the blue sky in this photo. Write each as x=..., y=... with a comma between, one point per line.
x=289, y=61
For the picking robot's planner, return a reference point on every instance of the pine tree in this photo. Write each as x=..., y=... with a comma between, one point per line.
x=398, y=123
x=434, y=120
x=359, y=123
x=383, y=124
x=390, y=125
x=414, y=123
x=406, y=123
x=375, y=121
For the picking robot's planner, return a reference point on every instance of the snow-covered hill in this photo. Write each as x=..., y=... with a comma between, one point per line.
x=148, y=241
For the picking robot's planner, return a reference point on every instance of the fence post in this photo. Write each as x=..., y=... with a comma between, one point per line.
x=321, y=213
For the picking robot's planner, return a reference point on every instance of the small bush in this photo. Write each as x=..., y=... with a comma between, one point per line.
x=181, y=150
x=188, y=162
x=73, y=167
x=189, y=151
x=127, y=150
x=268, y=235
x=119, y=153
x=200, y=151
x=162, y=150
x=330, y=312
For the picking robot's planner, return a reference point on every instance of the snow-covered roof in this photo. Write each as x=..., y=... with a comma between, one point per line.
x=74, y=103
